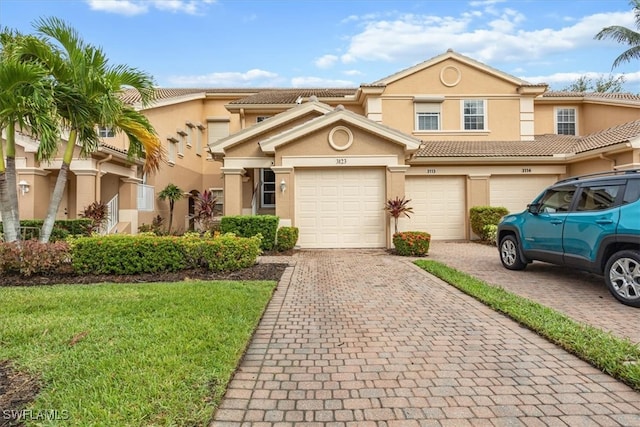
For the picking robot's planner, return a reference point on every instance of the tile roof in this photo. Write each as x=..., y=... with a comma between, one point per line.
x=289, y=96
x=132, y=96
x=593, y=96
x=541, y=146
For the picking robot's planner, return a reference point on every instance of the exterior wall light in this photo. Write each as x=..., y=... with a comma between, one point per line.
x=283, y=186
x=24, y=186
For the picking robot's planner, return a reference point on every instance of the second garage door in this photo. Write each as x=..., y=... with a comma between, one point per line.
x=340, y=208
x=515, y=192
x=438, y=204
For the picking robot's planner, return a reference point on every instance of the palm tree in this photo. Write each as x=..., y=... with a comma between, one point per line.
x=86, y=91
x=25, y=101
x=625, y=36
x=172, y=193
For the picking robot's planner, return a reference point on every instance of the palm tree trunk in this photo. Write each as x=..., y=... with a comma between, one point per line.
x=58, y=191
x=12, y=185
x=170, y=216
x=6, y=206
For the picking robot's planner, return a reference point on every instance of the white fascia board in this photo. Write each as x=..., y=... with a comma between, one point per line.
x=279, y=119
x=269, y=145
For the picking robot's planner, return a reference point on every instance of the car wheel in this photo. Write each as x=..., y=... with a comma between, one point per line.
x=622, y=275
x=510, y=254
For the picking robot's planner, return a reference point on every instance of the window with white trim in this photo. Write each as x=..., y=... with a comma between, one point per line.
x=200, y=129
x=267, y=188
x=218, y=193
x=566, y=121
x=106, y=132
x=172, y=150
x=473, y=114
x=180, y=143
x=427, y=116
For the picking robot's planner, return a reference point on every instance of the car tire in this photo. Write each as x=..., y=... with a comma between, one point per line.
x=510, y=254
x=622, y=275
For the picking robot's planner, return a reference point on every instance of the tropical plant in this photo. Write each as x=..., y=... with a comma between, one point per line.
x=25, y=102
x=398, y=207
x=98, y=213
x=602, y=84
x=205, y=209
x=173, y=193
x=624, y=36
x=86, y=92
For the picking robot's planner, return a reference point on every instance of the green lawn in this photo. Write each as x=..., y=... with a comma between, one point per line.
x=617, y=357
x=146, y=354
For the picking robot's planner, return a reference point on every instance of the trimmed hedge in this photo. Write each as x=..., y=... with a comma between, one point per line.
x=412, y=243
x=287, y=238
x=32, y=257
x=223, y=253
x=252, y=225
x=126, y=254
x=481, y=216
x=61, y=228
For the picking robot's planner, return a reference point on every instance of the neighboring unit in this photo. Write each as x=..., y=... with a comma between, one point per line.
x=590, y=223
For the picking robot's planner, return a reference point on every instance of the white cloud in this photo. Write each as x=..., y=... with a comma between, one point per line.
x=353, y=73
x=320, y=82
x=251, y=78
x=326, y=61
x=504, y=39
x=137, y=7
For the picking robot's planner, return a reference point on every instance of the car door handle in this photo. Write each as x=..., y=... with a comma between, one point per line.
x=556, y=221
x=604, y=221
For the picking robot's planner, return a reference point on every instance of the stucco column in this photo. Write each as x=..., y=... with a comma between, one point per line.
x=478, y=194
x=285, y=188
x=128, y=204
x=395, y=188
x=232, y=177
x=85, y=191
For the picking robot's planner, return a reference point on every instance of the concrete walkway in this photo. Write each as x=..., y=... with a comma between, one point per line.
x=365, y=338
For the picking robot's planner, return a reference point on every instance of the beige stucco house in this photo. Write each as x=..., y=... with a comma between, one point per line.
x=449, y=133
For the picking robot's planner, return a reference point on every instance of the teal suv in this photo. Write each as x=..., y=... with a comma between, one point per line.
x=589, y=222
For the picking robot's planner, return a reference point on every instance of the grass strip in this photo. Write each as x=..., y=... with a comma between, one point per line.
x=617, y=357
x=139, y=354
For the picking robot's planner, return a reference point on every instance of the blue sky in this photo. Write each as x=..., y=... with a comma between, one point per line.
x=339, y=43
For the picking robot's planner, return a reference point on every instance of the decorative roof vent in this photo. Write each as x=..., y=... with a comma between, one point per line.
x=313, y=98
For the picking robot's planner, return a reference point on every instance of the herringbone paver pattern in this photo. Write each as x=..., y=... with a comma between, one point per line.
x=363, y=338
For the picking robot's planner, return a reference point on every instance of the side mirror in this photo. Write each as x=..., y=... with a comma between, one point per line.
x=534, y=208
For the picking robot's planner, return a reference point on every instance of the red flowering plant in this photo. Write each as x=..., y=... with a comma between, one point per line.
x=398, y=207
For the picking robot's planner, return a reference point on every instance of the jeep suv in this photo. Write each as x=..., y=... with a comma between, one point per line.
x=589, y=222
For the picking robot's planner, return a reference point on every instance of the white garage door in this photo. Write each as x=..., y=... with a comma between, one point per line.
x=340, y=208
x=515, y=192
x=438, y=204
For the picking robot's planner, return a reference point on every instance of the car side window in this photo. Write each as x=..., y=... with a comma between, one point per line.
x=557, y=199
x=598, y=197
x=632, y=193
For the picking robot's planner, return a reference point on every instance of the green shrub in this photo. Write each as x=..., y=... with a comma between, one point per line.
x=491, y=233
x=127, y=254
x=252, y=225
x=412, y=243
x=287, y=238
x=32, y=257
x=30, y=228
x=481, y=216
x=227, y=252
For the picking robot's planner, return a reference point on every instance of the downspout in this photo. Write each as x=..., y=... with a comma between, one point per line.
x=613, y=162
x=99, y=176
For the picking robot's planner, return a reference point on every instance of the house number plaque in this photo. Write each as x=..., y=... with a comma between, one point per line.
x=341, y=161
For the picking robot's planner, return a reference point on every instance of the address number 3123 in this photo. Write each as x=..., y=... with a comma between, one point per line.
x=341, y=161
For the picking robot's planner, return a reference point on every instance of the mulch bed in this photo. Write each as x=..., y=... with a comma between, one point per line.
x=18, y=389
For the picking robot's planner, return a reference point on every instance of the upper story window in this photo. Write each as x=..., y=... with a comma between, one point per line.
x=473, y=114
x=106, y=132
x=261, y=118
x=566, y=121
x=427, y=116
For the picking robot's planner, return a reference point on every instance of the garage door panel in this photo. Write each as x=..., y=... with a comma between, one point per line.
x=348, y=208
x=438, y=204
x=515, y=192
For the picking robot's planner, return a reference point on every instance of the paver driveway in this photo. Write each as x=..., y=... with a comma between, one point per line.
x=366, y=338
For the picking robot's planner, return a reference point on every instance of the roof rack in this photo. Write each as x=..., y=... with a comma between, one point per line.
x=591, y=175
